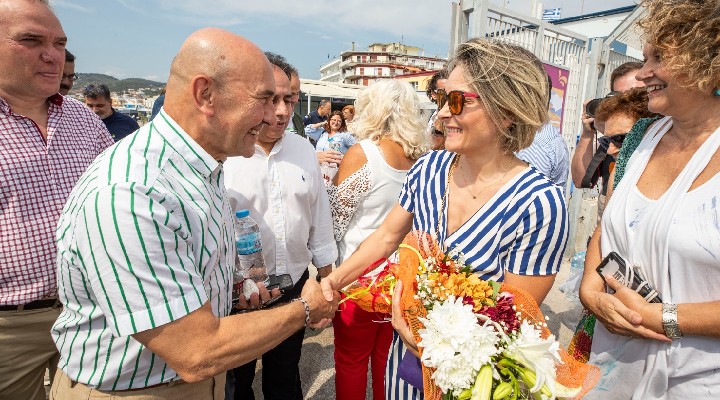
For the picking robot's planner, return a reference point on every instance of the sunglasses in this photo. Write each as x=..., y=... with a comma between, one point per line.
x=617, y=139
x=455, y=100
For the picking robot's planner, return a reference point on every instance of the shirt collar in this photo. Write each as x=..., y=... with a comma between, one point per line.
x=56, y=99
x=276, y=147
x=184, y=145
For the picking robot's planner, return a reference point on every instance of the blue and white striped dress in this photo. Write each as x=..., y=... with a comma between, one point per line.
x=522, y=229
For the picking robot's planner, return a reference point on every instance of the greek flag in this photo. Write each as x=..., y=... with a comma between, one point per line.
x=551, y=14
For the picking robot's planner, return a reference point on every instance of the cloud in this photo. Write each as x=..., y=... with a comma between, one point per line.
x=116, y=73
x=70, y=5
x=133, y=5
x=415, y=19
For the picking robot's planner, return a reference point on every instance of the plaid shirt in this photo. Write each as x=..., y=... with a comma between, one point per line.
x=36, y=177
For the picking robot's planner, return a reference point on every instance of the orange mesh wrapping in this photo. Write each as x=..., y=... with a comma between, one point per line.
x=571, y=373
x=373, y=293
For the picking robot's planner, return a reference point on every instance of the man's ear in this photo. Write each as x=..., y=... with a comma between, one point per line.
x=203, y=92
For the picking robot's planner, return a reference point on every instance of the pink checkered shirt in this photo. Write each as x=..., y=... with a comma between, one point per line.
x=36, y=178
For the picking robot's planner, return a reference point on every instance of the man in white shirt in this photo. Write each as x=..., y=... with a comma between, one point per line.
x=282, y=187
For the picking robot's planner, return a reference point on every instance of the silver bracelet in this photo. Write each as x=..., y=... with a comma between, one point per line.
x=670, y=321
x=307, y=309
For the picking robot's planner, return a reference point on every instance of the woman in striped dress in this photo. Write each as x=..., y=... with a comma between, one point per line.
x=508, y=220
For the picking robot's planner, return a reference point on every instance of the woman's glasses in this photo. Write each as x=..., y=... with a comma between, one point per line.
x=455, y=100
x=618, y=139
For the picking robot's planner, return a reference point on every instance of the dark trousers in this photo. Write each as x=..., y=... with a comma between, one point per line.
x=280, y=366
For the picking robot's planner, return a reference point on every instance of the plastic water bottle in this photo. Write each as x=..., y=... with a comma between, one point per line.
x=329, y=169
x=250, y=264
x=335, y=143
x=571, y=286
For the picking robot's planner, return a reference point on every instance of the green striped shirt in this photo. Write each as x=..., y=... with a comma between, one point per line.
x=145, y=238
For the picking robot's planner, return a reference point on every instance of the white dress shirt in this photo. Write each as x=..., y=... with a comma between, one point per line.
x=286, y=196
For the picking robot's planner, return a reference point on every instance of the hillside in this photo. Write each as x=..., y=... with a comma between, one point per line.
x=117, y=85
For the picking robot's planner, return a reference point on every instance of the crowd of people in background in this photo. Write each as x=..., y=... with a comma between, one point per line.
x=117, y=242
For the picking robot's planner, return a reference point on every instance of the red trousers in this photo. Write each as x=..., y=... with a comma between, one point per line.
x=359, y=336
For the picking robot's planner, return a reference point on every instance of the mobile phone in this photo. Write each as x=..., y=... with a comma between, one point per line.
x=631, y=277
x=283, y=282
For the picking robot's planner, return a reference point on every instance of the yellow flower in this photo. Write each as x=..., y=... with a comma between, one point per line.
x=461, y=285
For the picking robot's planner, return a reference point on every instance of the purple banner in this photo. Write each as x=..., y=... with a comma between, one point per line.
x=559, y=78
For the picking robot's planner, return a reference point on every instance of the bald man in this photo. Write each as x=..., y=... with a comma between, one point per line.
x=146, y=248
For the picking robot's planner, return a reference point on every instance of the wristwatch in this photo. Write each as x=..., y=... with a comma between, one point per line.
x=670, y=321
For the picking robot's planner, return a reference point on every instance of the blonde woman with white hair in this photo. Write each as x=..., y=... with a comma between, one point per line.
x=391, y=138
x=477, y=197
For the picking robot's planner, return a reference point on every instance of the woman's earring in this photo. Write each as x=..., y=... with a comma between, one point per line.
x=716, y=93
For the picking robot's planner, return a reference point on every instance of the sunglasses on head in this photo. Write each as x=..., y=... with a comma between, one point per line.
x=454, y=99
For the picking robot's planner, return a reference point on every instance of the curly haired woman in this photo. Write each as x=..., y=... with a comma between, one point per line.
x=663, y=219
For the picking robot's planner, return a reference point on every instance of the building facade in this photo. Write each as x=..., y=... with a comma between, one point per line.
x=379, y=61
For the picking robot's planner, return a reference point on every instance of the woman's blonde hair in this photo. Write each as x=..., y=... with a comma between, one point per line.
x=512, y=85
x=390, y=109
x=686, y=33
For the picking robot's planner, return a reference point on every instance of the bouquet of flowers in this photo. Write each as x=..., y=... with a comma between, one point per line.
x=479, y=339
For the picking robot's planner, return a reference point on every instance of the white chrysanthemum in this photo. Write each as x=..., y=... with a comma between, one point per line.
x=455, y=344
x=457, y=255
x=454, y=375
x=540, y=355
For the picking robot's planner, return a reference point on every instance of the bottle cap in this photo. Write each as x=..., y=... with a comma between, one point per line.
x=242, y=213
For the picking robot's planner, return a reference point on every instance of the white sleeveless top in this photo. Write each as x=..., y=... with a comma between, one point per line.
x=374, y=200
x=676, y=242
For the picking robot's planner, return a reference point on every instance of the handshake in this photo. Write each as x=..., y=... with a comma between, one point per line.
x=322, y=307
x=322, y=304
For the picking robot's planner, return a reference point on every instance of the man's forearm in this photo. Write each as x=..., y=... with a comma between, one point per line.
x=200, y=345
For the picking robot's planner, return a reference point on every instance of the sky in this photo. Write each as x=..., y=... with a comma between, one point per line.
x=138, y=38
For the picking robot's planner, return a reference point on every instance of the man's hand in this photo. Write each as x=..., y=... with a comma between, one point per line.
x=329, y=156
x=257, y=300
x=321, y=310
x=323, y=272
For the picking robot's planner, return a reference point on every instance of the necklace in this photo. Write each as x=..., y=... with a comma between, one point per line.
x=467, y=183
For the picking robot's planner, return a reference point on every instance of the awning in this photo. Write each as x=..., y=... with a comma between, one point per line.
x=326, y=89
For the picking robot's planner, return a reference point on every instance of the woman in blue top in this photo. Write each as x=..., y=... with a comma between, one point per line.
x=335, y=137
x=510, y=221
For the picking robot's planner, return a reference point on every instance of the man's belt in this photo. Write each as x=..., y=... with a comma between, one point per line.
x=33, y=305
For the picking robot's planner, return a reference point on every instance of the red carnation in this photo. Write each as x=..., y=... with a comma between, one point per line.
x=503, y=312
